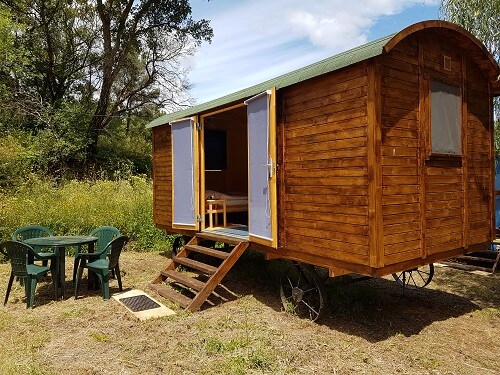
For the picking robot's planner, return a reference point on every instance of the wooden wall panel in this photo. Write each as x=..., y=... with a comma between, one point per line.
x=162, y=176
x=444, y=178
x=433, y=204
x=480, y=163
x=443, y=205
x=324, y=209
x=401, y=210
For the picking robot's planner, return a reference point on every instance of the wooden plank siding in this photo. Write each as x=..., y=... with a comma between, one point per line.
x=325, y=180
x=444, y=179
x=480, y=160
x=401, y=211
x=444, y=200
x=162, y=177
x=432, y=205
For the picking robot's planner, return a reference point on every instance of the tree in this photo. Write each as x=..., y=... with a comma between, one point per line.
x=140, y=37
x=111, y=57
x=481, y=18
x=16, y=99
x=61, y=39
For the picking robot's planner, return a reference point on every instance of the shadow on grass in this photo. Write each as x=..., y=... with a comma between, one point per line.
x=374, y=309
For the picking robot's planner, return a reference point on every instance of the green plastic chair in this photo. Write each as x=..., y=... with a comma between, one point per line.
x=104, y=236
x=32, y=231
x=18, y=254
x=101, y=263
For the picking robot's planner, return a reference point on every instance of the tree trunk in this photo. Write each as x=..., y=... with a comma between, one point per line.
x=99, y=120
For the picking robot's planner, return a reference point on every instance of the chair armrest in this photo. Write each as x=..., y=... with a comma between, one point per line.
x=37, y=256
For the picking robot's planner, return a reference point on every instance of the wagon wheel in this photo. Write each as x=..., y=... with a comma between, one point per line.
x=302, y=292
x=416, y=277
x=179, y=242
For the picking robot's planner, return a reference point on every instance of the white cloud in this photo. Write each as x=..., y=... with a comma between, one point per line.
x=341, y=30
x=339, y=23
x=255, y=40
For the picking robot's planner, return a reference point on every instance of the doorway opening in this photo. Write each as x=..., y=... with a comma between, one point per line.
x=225, y=153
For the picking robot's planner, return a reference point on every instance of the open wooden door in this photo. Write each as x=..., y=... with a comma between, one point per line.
x=185, y=174
x=262, y=195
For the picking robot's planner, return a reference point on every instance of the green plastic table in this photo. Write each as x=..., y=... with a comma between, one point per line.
x=60, y=243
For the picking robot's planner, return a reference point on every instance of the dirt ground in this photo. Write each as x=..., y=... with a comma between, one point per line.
x=370, y=327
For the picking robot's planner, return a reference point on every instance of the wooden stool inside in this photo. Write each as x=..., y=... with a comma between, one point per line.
x=215, y=207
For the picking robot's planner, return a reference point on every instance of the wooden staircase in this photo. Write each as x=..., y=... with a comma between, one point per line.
x=484, y=260
x=197, y=289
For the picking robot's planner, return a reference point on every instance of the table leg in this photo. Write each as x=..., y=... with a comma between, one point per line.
x=54, y=274
x=62, y=269
x=224, y=213
x=210, y=213
x=92, y=280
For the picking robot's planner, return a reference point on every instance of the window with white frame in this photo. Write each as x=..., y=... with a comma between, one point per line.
x=445, y=119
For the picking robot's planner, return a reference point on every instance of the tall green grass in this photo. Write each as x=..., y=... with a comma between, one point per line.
x=76, y=207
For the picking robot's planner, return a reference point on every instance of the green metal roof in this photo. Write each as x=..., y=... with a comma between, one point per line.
x=327, y=65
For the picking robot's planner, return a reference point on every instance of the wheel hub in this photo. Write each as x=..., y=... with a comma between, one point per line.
x=297, y=295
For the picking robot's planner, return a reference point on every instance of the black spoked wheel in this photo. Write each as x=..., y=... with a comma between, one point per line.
x=179, y=242
x=416, y=277
x=302, y=292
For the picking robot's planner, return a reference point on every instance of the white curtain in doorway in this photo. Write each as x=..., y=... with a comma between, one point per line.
x=259, y=215
x=183, y=173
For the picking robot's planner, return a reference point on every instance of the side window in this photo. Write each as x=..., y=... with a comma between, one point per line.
x=445, y=119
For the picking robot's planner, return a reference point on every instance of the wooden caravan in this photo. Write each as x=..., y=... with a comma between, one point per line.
x=374, y=161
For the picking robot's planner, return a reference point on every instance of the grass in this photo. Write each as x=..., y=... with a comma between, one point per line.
x=370, y=327
x=100, y=336
x=76, y=207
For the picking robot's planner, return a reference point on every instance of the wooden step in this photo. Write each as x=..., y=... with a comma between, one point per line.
x=207, y=251
x=477, y=259
x=216, y=273
x=205, y=268
x=184, y=280
x=219, y=238
x=217, y=277
x=490, y=254
x=172, y=295
x=466, y=267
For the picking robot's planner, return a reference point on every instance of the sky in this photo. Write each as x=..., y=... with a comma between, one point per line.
x=255, y=40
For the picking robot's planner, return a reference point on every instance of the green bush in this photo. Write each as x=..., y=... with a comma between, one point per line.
x=125, y=153
x=58, y=149
x=76, y=207
x=16, y=161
